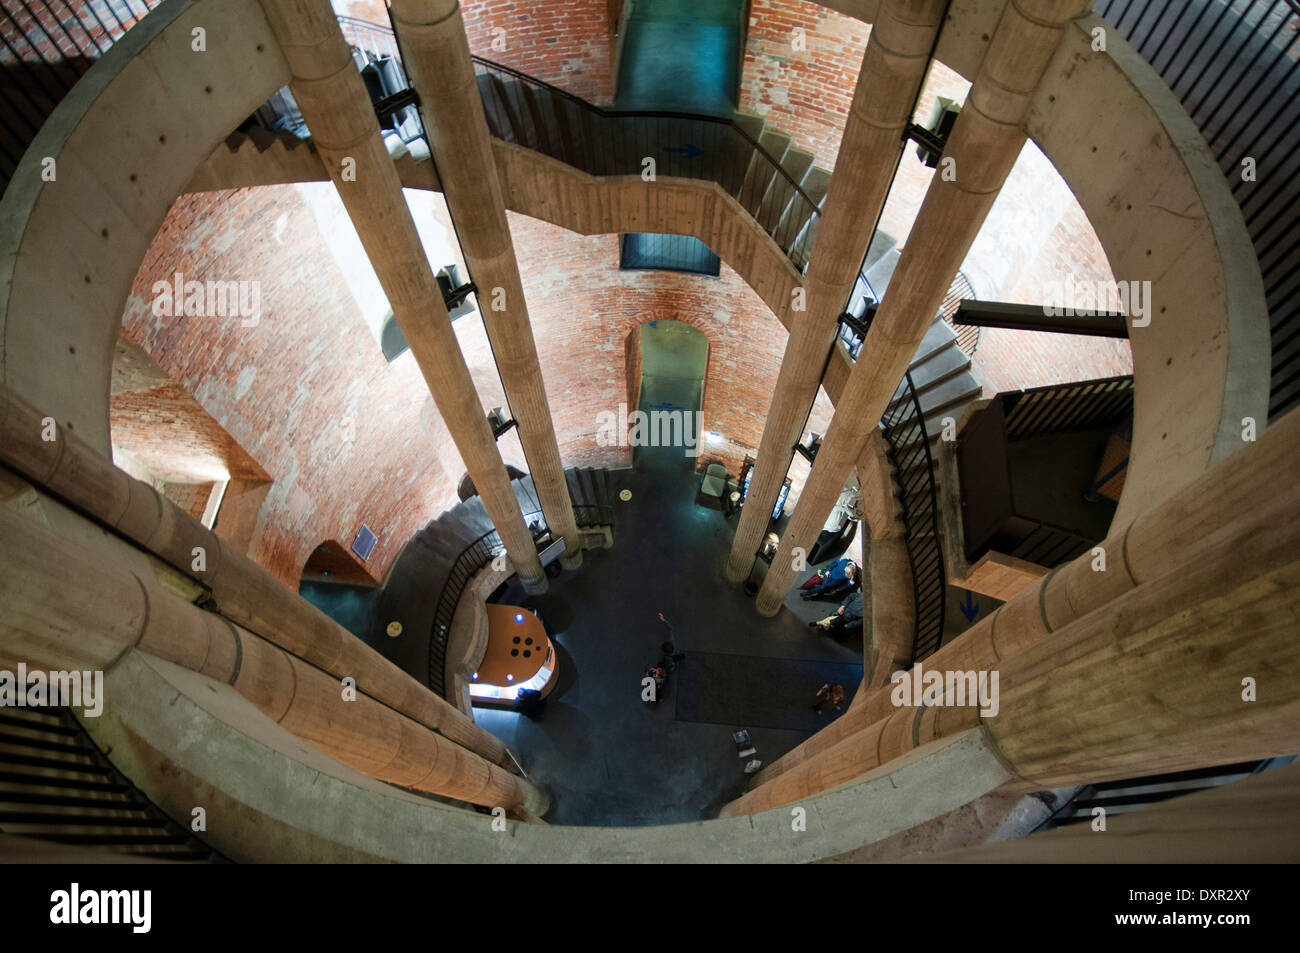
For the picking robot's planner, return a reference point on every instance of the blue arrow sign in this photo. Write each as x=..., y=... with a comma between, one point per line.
x=969, y=607
x=688, y=151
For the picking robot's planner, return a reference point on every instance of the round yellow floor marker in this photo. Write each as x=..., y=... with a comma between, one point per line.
x=394, y=629
x=625, y=495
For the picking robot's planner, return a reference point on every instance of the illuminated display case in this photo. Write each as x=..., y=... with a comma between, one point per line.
x=519, y=656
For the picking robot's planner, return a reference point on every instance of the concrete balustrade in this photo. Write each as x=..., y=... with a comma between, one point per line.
x=1196, y=377
x=245, y=593
x=66, y=609
x=1221, y=520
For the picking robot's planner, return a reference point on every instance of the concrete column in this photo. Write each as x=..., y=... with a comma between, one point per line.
x=246, y=594
x=334, y=102
x=1139, y=668
x=1149, y=683
x=984, y=145
x=50, y=624
x=436, y=55
x=893, y=68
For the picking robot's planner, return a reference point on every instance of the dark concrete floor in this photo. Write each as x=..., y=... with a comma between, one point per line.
x=606, y=756
x=350, y=606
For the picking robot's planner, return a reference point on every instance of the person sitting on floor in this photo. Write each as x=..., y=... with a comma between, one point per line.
x=849, y=614
x=841, y=574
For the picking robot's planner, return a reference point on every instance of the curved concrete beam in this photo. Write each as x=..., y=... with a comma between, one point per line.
x=188, y=741
x=125, y=141
x=125, y=147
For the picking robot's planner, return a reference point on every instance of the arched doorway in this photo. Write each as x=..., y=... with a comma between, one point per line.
x=670, y=367
x=335, y=581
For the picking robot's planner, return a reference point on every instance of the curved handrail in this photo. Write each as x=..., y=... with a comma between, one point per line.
x=472, y=558
x=388, y=33
x=786, y=212
x=653, y=114
x=909, y=452
x=1241, y=87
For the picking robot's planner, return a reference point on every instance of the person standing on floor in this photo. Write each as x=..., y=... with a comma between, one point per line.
x=668, y=654
x=829, y=696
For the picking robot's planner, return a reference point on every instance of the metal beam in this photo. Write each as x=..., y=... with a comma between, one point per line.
x=1036, y=317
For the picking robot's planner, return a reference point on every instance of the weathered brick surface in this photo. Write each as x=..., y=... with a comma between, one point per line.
x=172, y=436
x=63, y=30
x=804, y=93
x=1012, y=360
x=567, y=43
x=348, y=438
x=306, y=391
x=584, y=309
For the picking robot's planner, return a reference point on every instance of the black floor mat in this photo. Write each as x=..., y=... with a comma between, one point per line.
x=747, y=691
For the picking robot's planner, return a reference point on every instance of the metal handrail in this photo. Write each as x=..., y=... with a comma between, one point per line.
x=1241, y=87
x=472, y=558
x=909, y=451
x=39, y=80
x=380, y=38
x=651, y=114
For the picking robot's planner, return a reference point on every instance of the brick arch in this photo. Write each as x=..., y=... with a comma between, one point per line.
x=632, y=340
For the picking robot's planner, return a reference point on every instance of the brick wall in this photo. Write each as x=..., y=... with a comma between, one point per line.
x=804, y=93
x=583, y=310
x=191, y=497
x=345, y=436
x=567, y=43
x=40, y=28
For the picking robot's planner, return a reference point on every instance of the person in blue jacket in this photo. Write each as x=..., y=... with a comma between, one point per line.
x=841, y=574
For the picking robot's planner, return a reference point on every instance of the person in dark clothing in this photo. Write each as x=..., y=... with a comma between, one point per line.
x=659, y=676
x=829, y=696
x=668, y=654
x=847, y=616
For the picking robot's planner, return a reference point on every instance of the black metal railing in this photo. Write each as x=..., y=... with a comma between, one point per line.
x=1059, y=408
x=968, y=337
x=46, y=46
x=856, y=318
x=1047, y=545
x=56, y=785
x=471, y=560
x=528, y=112
x=1118, y=797
x=1236, y=68
x=909, y=452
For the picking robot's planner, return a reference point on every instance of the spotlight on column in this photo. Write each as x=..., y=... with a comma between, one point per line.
x=808, y=450
x=455, y=292
x=500, y=422
x=933, y=136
